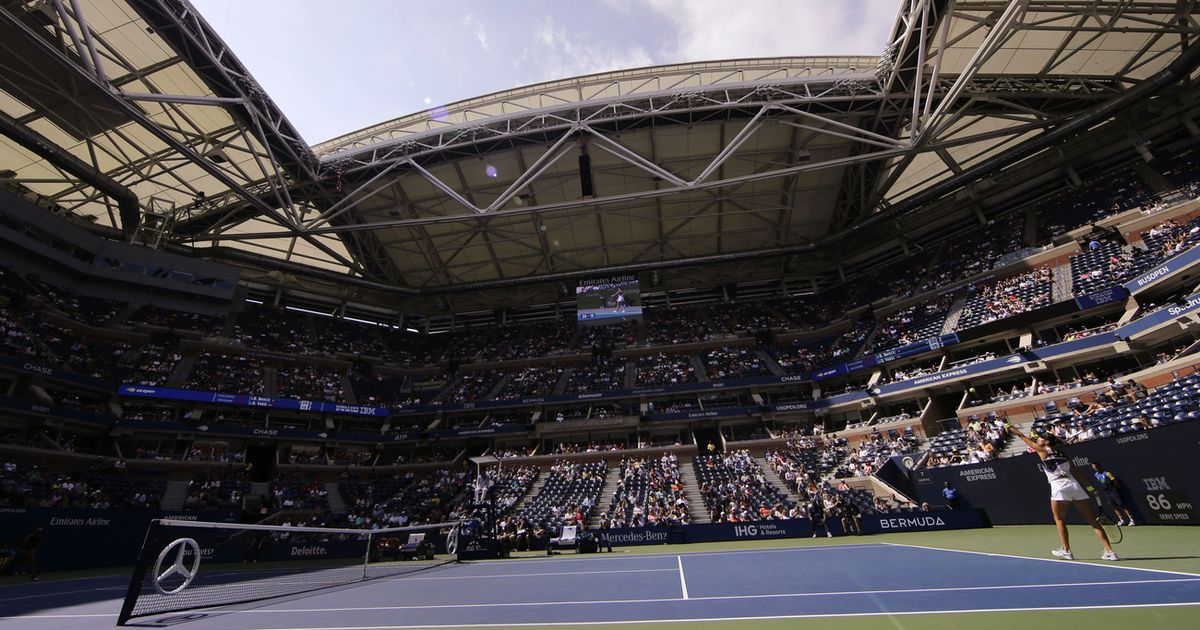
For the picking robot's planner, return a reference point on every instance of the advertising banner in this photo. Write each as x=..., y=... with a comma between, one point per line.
x=1168, y=267
x=31, y=367
x=86, y=539
x=290, y=404
x=1155, y=467
x=932, y=521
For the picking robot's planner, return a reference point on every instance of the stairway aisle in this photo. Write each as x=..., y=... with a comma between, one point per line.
x=775, y=479
x=337, y=504
x=612, y=477
x=175, y=494
x=534, y=489
x=691, y=490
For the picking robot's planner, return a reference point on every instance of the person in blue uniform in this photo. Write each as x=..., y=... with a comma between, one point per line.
x=1111, y=488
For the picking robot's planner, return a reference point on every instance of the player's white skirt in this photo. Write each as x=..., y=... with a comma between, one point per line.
x=1067, y=490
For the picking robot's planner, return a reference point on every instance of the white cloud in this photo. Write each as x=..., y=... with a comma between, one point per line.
x=478, y=29
x=717, y=29
x=561, y=54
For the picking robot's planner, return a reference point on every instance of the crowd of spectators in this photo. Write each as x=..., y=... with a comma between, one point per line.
x=912, y=324
x=661, y=369
x=604, y=373
x=233, y=373
x=736, y=490
x=154, y=365
x=649, y=492
x=470, y=386
x=1122, y=406
x=509, y=452
x=731, y=317
x=980, y=441
x=1106, y=261
x=309, y=382
x=869, y=455
x=149, y=314
x=100, y=486
x=218, y=490
x=978, y=250
x=568, y=495
x=276, y=330
x=910, y=371
x=86, y=309
x=537, y=380
x=299, y=491
x=675, y=325
x=1004, y=298
x=567, y=448
x=733, y=362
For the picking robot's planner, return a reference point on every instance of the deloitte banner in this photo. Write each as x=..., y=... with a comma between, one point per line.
x=88, y=539
x=1156, y=468
x=923, y=521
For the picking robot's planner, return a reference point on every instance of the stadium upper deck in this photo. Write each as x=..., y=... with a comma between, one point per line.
x=782, y=172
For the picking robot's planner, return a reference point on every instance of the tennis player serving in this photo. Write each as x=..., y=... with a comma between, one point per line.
x=1065, y=491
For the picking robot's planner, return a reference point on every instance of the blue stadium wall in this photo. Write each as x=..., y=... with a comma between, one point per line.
x=1157, y=469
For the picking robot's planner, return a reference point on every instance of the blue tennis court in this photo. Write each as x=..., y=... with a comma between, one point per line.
x=856, y=579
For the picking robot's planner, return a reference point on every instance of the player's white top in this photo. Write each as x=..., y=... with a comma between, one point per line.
x=1063, y=485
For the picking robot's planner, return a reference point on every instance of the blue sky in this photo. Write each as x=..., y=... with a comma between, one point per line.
x=334, y=67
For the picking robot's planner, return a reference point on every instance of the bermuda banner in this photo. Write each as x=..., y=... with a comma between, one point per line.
x=53, y=373
x=1106, y=296
x=725, y=412
x=1156, y=468
x=290, y=404
x=1161, y=272
x=931, y=521
x=87, y=539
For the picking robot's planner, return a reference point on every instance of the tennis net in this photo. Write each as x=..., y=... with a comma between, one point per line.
x=189, y=565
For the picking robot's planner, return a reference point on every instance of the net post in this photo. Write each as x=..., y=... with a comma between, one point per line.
x=139, y=575
x=367, y=553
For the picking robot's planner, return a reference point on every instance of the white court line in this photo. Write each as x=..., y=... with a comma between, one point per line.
x=661, y=600
x=901, y=591
x=57, y=593
x=1111, y=565
x=638, y=556
x=682, y=579
x=520, y=575
x=754, y=618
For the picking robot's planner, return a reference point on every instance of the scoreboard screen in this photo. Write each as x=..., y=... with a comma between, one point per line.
x=608, y=299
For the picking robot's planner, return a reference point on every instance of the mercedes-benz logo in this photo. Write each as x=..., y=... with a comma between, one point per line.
x=452, y=541
x=178, y=565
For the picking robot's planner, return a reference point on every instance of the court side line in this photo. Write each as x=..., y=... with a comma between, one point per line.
x=506, y=576
x=598, y=557
x=682, y=579
x=57, y=593
x=905, y=613
x=1111, y=565
x=597, y=602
